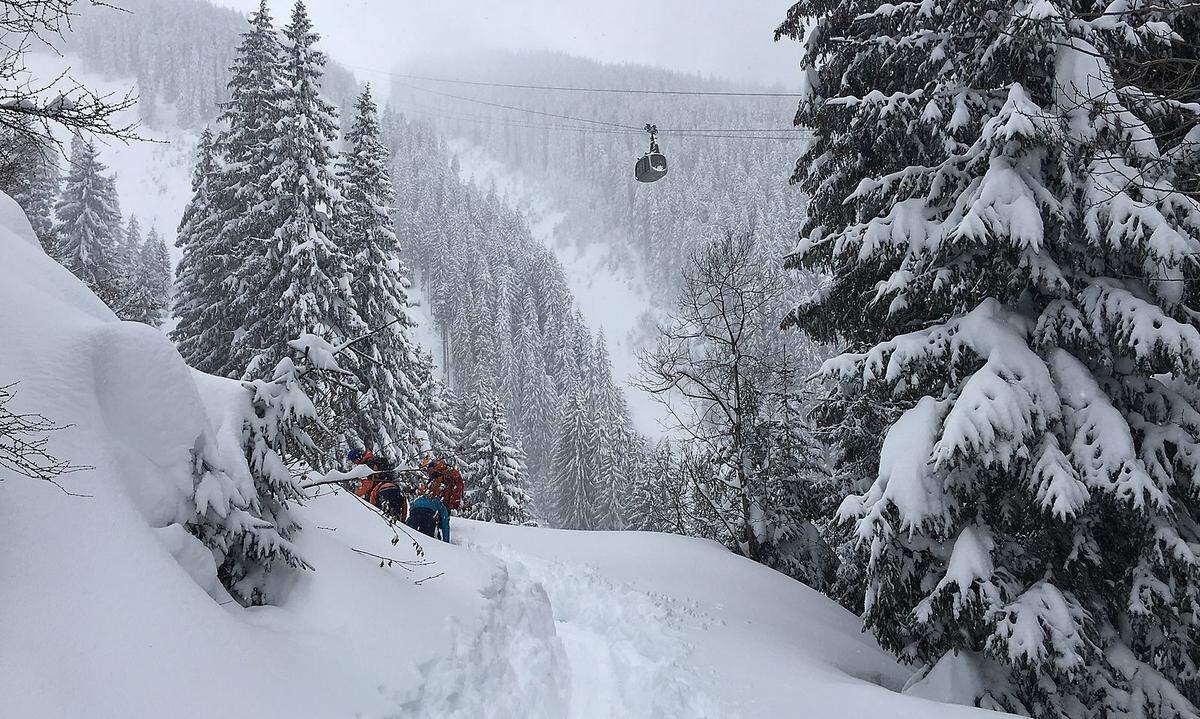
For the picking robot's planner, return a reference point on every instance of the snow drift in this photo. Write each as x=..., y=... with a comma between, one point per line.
x=110, y=608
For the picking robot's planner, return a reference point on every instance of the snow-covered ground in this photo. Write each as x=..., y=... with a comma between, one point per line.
x=111, y=609
x=613, y=299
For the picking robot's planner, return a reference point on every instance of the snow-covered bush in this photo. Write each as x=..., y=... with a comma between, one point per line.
x=242, y=505
x=1016, y=277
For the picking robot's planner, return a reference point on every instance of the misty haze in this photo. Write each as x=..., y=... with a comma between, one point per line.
x=571, y=360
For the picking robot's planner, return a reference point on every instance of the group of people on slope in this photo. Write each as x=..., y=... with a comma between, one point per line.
x=439, y=491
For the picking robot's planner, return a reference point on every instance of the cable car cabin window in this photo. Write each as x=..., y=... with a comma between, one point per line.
x=651, y=167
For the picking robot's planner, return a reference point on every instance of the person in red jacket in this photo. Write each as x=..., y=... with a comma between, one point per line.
x=445, y=483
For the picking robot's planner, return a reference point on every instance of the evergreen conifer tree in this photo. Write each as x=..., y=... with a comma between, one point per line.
x=154, y=278
x=203, y=332
x=607, y=409
x=38, y=197
x=495, y=473
x=131, y=295
x=391, y=410
x=302, y=284
x=233, y=213
x=573, y=479
x=87, y=213
x=1013, y=278
x=442, y=432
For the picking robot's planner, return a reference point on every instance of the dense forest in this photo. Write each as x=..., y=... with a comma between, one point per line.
x=721, y=150
x=180, y=53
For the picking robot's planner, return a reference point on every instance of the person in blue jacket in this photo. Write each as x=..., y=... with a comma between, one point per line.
x=427, y=514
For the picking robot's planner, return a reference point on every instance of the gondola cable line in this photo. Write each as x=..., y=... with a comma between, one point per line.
x=494, y=121
x=651, y=167
x=568, y=88
x=719, y=133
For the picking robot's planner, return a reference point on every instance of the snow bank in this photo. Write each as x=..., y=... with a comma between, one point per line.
x=111, y=609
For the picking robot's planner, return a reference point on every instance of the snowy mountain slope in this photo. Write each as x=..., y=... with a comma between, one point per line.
x=153, y=177
x=614, y=299
x=112, y=610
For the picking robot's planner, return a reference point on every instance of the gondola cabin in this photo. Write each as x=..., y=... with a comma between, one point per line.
x=651, y=167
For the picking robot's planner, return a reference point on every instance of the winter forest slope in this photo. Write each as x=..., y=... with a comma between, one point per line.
x=622, y=243
x=729, y=156
x=116, y=575
x=469, y=253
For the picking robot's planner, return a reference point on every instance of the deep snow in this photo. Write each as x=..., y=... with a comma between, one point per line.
x=112, y=610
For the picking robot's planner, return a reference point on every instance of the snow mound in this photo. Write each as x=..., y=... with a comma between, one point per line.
x=112, y=609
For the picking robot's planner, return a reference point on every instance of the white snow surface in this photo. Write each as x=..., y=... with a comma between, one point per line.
x=111, y=609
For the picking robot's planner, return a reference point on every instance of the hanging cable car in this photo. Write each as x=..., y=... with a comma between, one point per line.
x=652, y=166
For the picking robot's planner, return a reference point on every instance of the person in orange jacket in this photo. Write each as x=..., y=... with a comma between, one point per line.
x=380, y=488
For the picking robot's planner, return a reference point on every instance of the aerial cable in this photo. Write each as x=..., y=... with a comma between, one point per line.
x=522, y=109
x=698, y=132
x=509, y=123
x=584, y=130
x=482, y=120
x=565, y=88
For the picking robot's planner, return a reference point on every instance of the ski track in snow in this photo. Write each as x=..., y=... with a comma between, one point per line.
x=569, y=642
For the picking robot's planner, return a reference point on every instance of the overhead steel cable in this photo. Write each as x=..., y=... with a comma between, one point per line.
x=678, y=132
x=479, y=119
x=522, y=109
x=429, y=111
x=718, y=133
x=585, y=130
x=568, y=88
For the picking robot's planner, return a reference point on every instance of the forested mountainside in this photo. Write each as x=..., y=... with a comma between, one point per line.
x=728, y=178
x=512, y=334
x=179, y=51
x=530, y=386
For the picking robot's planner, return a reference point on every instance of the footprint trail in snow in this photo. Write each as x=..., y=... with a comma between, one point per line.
x=625, y=649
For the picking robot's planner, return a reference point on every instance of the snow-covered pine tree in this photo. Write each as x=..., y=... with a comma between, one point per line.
x=303, y=282
x=154, y=278
x=129, y=246
x=1016, y=278
x=275, y=436
x=233, y=211
x=495, y=471
x=648, y=499
x=133, y=295
x=442, y=433
x=538, y=402
x=607, y=408
x=790, y=466
x=203, y=332
x=389, y=414
x=85, y=242
x=38, y=196
x=572, y=485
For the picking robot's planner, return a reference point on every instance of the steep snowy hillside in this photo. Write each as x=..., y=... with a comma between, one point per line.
x=111, y=609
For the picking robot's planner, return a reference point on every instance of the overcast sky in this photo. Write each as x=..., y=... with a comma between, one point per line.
x=727, y=38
